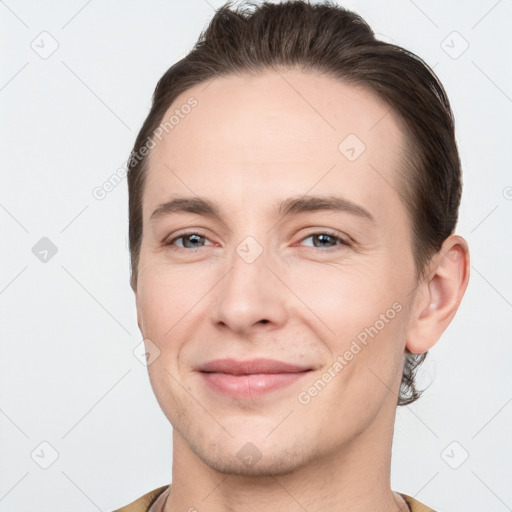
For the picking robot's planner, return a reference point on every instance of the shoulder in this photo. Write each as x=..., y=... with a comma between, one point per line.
x=143, y=503
x=415, y=505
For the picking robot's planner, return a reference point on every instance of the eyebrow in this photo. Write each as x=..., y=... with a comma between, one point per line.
x=291, y=206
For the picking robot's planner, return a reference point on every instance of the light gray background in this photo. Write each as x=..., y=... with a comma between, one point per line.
x=68, y=326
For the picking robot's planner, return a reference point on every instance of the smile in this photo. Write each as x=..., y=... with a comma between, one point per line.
x=250, y=385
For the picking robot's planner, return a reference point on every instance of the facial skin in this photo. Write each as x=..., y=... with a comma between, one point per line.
x=251, y=143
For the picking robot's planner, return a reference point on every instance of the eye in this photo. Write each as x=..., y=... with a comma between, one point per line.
x=327, y=240
x=192, y=241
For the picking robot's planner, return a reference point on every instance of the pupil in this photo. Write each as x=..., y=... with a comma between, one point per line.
x=192, y=237
x=324, y=238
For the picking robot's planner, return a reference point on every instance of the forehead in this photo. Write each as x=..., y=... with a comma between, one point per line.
x=261, y=137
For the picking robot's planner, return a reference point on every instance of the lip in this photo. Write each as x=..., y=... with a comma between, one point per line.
x=251, y=378
x=259, y=365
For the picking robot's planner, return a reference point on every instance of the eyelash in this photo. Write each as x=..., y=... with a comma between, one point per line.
x=342, y=241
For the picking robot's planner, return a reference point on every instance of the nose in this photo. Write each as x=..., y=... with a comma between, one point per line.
x=250, y=294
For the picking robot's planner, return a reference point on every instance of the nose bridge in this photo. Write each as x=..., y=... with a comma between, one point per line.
x=249, y=293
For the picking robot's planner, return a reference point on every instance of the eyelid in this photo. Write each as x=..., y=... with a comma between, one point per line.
x=328, y=231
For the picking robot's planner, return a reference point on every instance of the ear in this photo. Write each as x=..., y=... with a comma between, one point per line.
x=438, y=295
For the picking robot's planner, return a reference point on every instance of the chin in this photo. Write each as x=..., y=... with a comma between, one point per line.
x=280, y=454
x=250, y=461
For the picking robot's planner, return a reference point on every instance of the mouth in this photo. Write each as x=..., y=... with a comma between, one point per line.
x=250, y=379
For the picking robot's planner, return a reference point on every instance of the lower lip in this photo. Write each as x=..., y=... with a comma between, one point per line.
x=250, y=386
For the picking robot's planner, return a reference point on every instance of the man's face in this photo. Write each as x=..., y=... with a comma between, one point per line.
x=309, y=288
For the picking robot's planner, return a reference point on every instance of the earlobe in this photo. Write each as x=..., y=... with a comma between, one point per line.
x=439, y=295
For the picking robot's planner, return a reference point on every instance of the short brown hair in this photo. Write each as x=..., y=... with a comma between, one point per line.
x=327, y=39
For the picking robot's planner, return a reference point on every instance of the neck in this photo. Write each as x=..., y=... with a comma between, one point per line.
x=353, y=477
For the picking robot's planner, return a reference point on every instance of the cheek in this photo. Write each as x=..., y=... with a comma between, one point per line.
x=166, y=293
x=362, y=319
x=345, y=297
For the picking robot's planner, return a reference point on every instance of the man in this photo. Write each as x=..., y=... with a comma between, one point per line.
x=293, y=197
